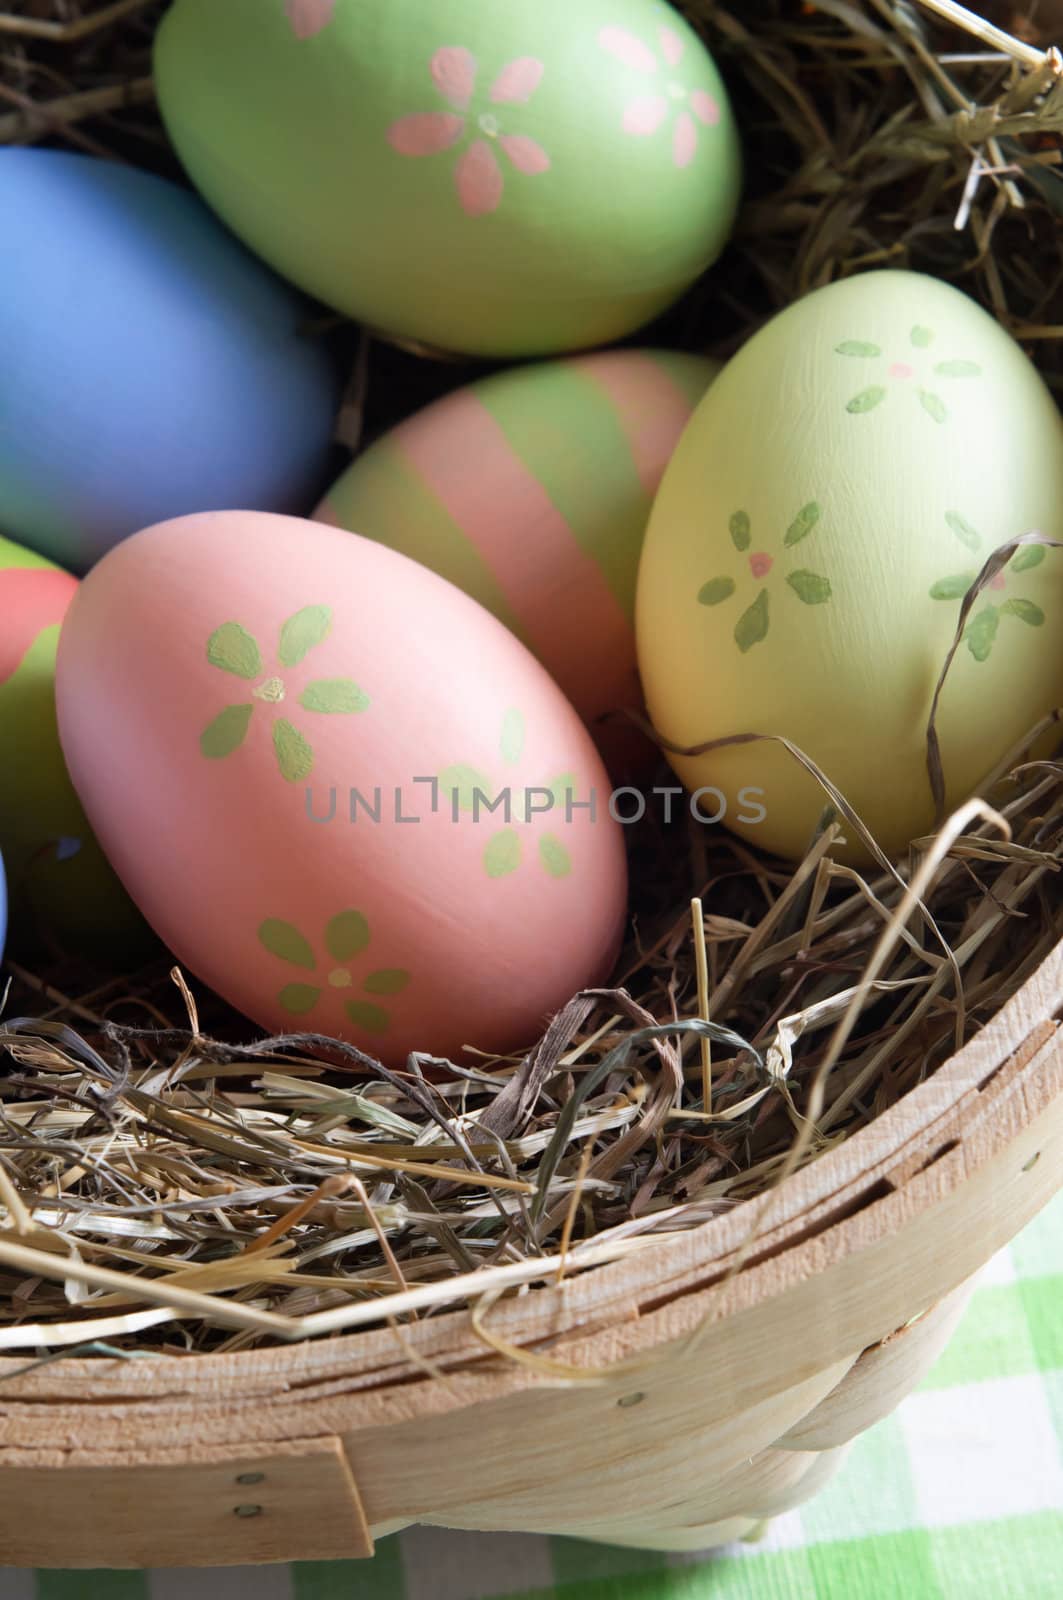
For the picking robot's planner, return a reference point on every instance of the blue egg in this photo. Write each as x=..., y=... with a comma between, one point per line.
x=149, y=366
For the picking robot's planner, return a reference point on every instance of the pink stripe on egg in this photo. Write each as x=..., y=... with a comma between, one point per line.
x=31, y=598
x=653, y=410
x=554, y=590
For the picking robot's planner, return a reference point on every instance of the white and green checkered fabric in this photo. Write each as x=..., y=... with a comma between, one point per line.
x=959, y=1496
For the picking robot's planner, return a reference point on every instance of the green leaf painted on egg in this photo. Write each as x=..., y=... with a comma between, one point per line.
x=963, y=530
x=866, y=400
x=346, y=935
x=921, y=337
x=803, y=523
x=226, y=733
x=809, y=587
x=295, y=758
x=953, y=587
x=933, y=405
x=301, y=632
x=464, y=782
x=716, y=591
x=283, y=939
x=502, y=853
x=858, y=347
x=740, y=530
x=1031, y=555
x=298, y=998
x=389, y=980
x=554, y=857
x=365, y=1015
x=512, y=742
x=233, y=649
x=958, y=369
x=563, y=790
x=1025, y=610
x=334, y=695
x=752, y=625
x=981, y=631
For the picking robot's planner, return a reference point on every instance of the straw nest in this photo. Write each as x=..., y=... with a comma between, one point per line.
x=166, y=1182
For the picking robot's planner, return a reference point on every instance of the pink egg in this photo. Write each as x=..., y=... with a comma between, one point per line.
x=287, y=739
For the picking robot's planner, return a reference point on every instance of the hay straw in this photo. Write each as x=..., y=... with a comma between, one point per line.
x=701, y=968
x=994, y=37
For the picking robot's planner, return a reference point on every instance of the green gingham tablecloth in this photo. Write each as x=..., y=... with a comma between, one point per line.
x=959, y=1496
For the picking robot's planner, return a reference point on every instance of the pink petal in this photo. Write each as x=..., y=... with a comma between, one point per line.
x=425, y=133
x=645, y=115
x=308, y=17
x=517, y=81
x=525, y=154
x=998, y=582
x=901, y=369
x=479, y=180
x=684, y=140
x=760, y=563
x=672, y=47
x=453, y=71
x=626, y=48
x=705, y=107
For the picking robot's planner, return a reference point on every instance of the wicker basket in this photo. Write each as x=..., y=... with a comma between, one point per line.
x=716, y=1394
x=735, y=1398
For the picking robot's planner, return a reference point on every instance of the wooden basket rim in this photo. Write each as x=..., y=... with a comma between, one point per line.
x=927, y=1125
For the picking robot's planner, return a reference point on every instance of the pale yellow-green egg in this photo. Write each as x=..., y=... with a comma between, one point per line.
x=830, y=503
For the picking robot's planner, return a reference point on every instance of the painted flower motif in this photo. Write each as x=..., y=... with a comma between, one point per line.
x=666, y=94
x=810, y=587
x=981, y=632
x=469, y=789
x=917, y=373
x=478, y=175
x=309, y=17
x=346, y=939
x=232, y=649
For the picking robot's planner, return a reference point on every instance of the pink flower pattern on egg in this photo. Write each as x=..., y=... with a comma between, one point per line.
x=646, y=113
x=478, y=175
x=309, y=17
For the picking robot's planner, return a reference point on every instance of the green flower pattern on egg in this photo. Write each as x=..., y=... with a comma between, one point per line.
x=347, y=938
x=904, y=373
x=811, y=588
x=466, y=786
x=231, y=648
x=981, y=632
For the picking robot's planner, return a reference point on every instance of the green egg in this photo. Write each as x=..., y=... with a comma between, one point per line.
x=501, y=180
x=832, y=502
x=64, y=896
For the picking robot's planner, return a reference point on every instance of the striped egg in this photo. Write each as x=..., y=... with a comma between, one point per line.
x=63, y=893
x=531, y=491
